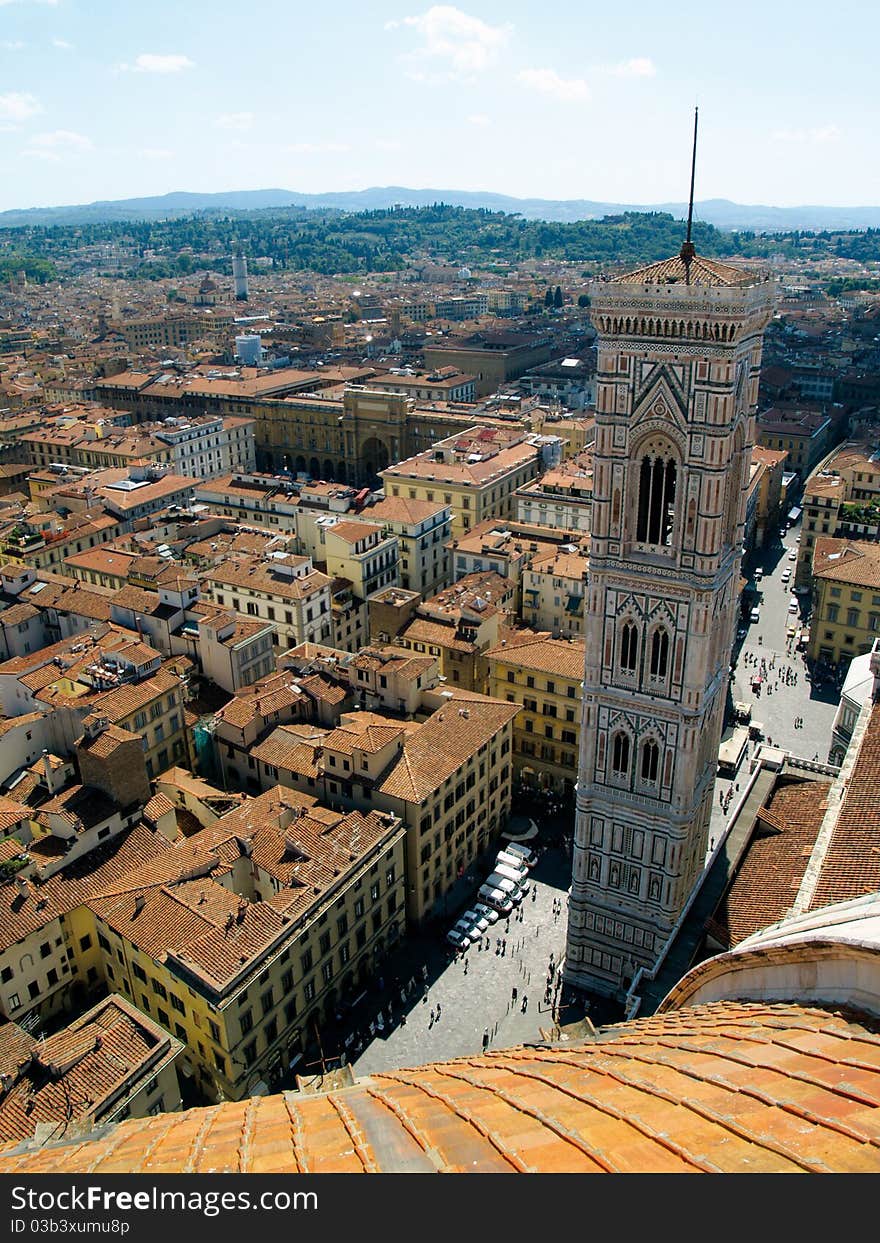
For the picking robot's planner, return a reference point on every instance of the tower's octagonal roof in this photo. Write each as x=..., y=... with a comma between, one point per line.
x=702, y=272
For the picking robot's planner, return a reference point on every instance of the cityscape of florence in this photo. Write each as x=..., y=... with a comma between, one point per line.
x=439, y=629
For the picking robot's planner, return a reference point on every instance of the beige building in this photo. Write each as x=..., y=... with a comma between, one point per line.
x=457, y=626
x=845, y=621
x=544, y=677
x=475, y=474
x=386, y=679
x=263, y=500
x=246, y=937
x=280, y=588
x=422, y=529
x=554, y=588
x=491, y=357
x=561, y=497
x=448, y=780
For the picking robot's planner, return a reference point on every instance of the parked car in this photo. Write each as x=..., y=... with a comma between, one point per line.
x=759, y=574
x=528, y=857
x=486, y=911
x=475, y=920
x=496, y=898
x=792, y=606
x=792, y=556
x=786, y=575
x=457, y=939
x=754, y=615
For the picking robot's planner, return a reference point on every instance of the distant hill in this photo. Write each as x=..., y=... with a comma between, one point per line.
x=720, y=212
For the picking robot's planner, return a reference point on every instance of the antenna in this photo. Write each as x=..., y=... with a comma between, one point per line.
x=688, y=250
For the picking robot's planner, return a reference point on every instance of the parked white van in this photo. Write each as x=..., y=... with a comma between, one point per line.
x=509, y=884
x=515, y=875
x=512, y=861
x=526, y=856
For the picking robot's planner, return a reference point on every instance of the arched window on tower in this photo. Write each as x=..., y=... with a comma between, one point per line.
x=620, y=754
x=659, y=653
x=629, y=647
x=650, y=765
x=656, y=509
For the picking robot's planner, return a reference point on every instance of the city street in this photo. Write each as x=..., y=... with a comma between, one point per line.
x=479, y=999
x=779, y=702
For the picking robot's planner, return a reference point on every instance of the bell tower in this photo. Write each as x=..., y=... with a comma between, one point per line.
x=679, y=355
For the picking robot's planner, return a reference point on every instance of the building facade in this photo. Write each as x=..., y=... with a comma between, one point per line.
x=679, y=356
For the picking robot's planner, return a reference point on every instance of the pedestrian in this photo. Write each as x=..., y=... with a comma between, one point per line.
x=438, y=1011
x=513, y=993
x=485, y=1039
x=525, y=1003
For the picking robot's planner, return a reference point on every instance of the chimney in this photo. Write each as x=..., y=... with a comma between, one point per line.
x=139, y=903
x=47, y=771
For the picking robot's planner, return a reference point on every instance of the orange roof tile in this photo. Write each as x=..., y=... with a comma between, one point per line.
x=724, y=1087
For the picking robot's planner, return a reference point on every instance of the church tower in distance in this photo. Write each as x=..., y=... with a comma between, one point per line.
x=679, y=352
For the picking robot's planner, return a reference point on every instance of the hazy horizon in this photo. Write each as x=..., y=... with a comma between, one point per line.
x=562, y=102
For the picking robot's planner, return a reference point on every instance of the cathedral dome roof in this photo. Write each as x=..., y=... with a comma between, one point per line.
x=766, y=1059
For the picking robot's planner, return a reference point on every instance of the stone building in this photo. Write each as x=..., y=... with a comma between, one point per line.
x=679, y=356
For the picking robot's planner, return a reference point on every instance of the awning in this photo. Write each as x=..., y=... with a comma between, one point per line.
x=794, y=514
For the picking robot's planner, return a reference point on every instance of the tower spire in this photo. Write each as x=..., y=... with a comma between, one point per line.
x=688, y=250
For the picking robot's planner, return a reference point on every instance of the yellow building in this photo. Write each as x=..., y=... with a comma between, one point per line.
x=448, y=780
x=475, y=473
x=544, y=677
x=243, y=939
x=846, y=599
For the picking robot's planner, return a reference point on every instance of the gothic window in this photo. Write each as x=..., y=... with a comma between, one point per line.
x=659, y=653
x=656, y=510
x=620, y=754
x=629, y=644
x=650, y=761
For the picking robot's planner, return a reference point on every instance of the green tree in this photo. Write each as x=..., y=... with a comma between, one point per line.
x=548, y=297
x=557, y=297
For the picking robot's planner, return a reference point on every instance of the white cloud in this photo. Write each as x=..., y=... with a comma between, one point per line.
x=316, y=148
x=466, y=44
x=11, y=45
x=235, y=120
x=56, y=145
x=820, y=135
x=549, y=82
x=636, y=67
x=19, y=106
x=63, y=44
x=149, y=62
x=479, y=118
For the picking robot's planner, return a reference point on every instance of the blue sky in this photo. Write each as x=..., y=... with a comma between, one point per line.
x=103, y=99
